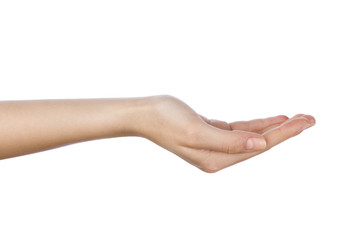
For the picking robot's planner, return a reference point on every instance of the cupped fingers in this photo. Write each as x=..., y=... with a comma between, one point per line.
x=279, y=133
x=213, y=160
x=288, y=129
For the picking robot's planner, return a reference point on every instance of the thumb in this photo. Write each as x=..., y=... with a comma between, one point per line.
x=235, y=141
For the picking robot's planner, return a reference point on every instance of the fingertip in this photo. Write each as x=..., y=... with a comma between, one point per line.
x=309, y=122
x=309, y=118
x=312, y=120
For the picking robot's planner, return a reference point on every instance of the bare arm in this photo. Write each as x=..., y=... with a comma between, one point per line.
x=37, y=125
x=211, y=145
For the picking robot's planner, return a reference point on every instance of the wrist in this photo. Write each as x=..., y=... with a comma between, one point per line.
x=132, y=116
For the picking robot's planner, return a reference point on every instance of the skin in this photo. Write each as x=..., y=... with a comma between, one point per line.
x=211, y=145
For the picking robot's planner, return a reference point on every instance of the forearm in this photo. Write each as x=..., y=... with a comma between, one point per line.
x=37, y=125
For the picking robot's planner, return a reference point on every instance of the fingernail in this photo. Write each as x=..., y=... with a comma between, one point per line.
x=255, y=144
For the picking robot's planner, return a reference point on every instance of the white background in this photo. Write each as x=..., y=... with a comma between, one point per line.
x=230, y=60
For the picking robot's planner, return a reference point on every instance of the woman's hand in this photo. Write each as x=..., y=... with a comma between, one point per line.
x=212, y=145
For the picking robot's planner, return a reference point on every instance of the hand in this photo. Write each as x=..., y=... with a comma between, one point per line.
x=212, y=145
